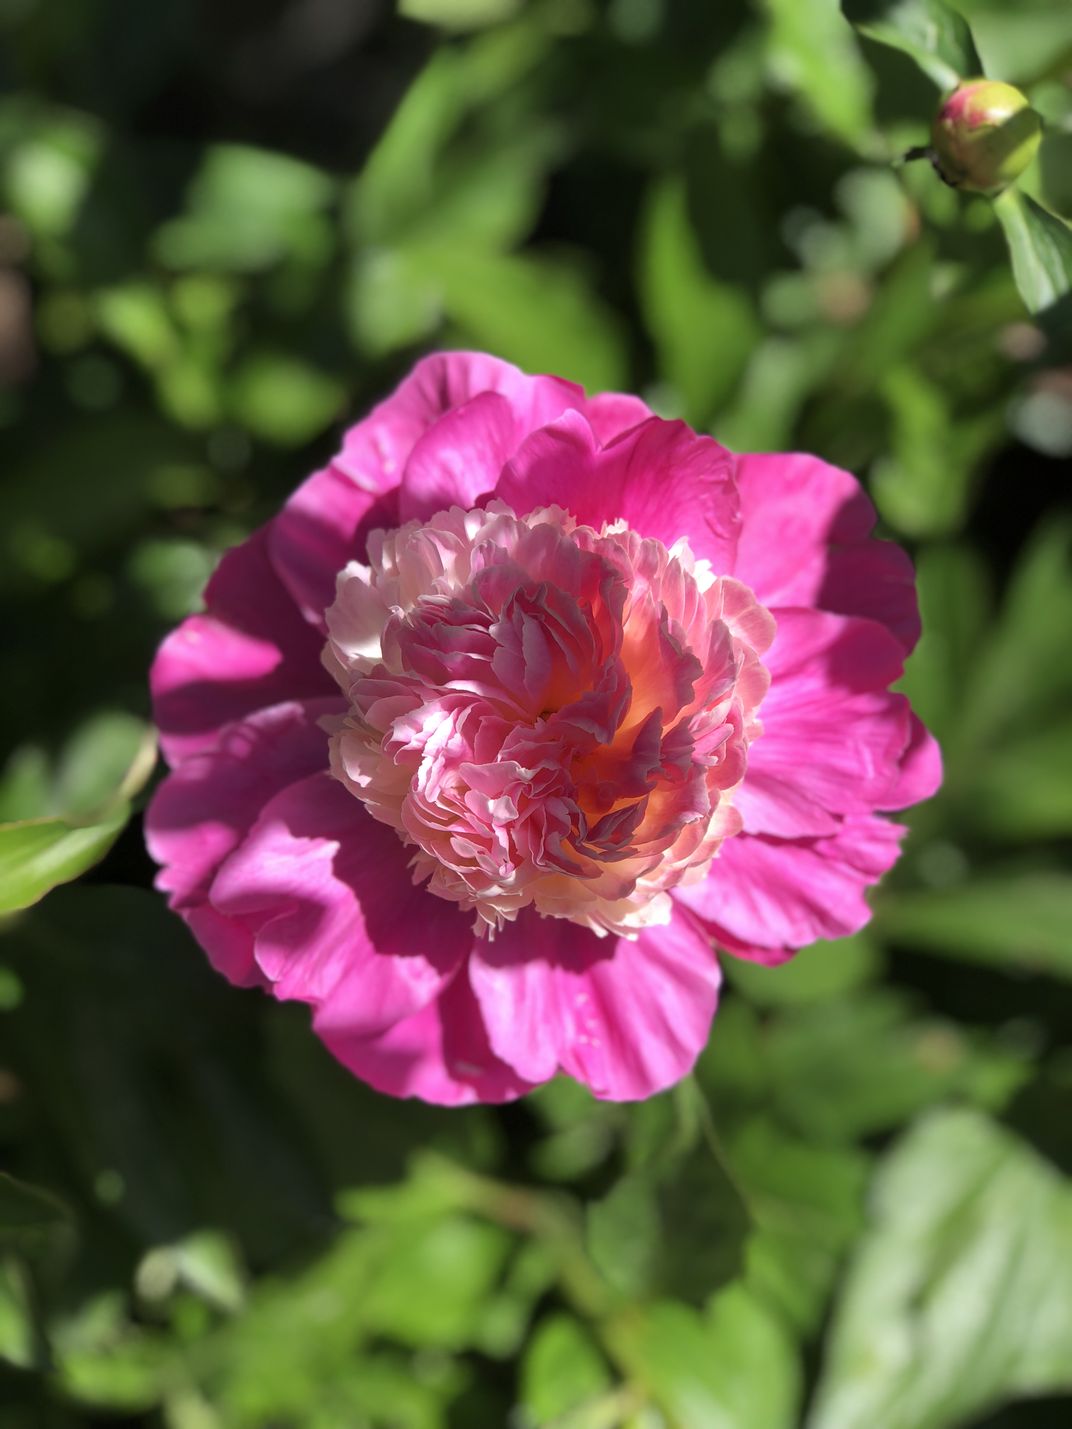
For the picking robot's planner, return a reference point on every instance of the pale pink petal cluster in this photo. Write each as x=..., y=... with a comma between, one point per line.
x=551, y=717
x=517, y=713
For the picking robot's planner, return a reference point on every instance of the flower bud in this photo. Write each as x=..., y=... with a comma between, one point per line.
x=984, y=137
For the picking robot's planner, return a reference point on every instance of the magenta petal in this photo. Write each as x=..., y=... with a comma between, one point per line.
x=336, y=920
x=625, y=1017
x=326, y=522
x=920, y=773
x=784, y=894
x=250, y=649
x=805, y=541
x=203, y=810
x=323, y=526
x=459, y=459
x=660, y=477
x=440, y=1054
x=833, y=736
x=612, y=413
x=376, y=450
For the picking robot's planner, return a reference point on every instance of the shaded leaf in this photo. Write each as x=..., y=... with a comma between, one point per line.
x=1020, y=920
x=535, y=311
x=29, y=1216
x=704, y=329
x=675, y=1223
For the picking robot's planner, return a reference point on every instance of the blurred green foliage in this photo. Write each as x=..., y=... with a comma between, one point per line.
x=225, y=232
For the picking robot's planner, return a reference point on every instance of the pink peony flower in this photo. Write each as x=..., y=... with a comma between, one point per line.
x=520, y=710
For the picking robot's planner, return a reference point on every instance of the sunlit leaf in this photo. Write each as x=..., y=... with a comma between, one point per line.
x=562, y=1368
x=284, y=399
x=807, y=38
x=961, y=1294
x=247, y=210
x=1040, y=246
x=38, y=854
x=731, y=1366
x=935, y=35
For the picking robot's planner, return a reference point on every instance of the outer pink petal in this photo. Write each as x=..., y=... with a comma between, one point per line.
x=660, y=477
x=833, y=736
x=612, y=413
x=327, y=893
x=324, y=525
x=780, y=894
x=327, y=520
x=805, y=541
x=627, y=1018
x=459, y=459
x=202, y=811
x=921, y=769
x=440, y=1054
x=250, y=649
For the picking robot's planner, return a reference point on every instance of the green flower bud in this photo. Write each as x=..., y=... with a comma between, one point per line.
x=984, y=137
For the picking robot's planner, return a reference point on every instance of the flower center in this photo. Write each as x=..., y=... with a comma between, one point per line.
x=550, y=716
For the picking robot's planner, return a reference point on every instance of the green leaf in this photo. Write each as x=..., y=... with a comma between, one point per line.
x=1023, y=678
x=37, y=854
x=704, y=329
x=807, y=1201
x=435, y=1282
x=247, y=210
x=961, y=1293
x=956, y=611
x=21, y=1342
x=931, y=32
x=459, y=14
x=109, y=757
x=808, y=40
x=1019, y=920
x=29, y=1216
x=535, y=311
x=562, y=1369
x=730, y=1367
x=106, y=763
x=676, y=1222
x=821, y=971
x=923, y=487
x=426, y=178
x=1021, y=791
x=1040, y=247
x=283, y=399
x=879, y=1065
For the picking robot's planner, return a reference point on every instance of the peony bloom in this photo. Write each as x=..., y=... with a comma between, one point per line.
x=520, y=710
